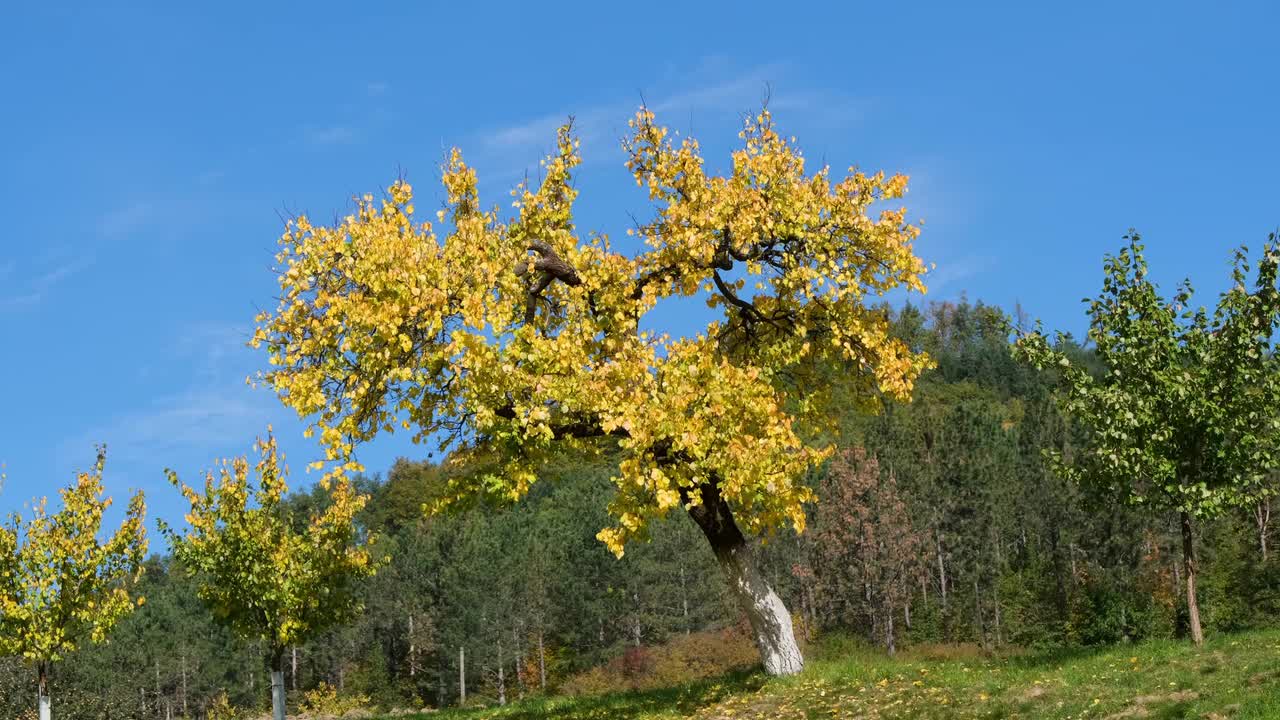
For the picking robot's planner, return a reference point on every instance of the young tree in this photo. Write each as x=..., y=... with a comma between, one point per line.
x=259, y=574
x=509, y=342
x=58, y=584
x=1184, y=415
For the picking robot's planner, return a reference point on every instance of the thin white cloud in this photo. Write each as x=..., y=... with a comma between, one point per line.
x=525, y=141
x=332, y=135
x=209, y=177
x=213, y=346
x=212, y=418
x=37, y=287
x=125, y=220
x=949, y=277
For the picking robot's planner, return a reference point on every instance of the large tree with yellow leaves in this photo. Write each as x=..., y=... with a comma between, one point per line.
x=511, y=341
x=60, y=585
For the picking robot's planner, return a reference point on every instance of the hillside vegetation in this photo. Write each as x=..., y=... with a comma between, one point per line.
x=1233, y=676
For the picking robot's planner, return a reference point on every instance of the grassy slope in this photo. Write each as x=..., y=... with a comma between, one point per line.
x=1234, y=676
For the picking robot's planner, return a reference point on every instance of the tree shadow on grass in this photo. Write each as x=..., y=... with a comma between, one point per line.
x=681, y=700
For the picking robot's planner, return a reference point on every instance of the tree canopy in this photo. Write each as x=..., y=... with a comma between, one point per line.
x=257, y=573
x=508, y=340
x=59, y=583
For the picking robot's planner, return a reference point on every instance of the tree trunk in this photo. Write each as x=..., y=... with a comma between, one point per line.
x=502, y=679
x=1262, y=516
x=942, y=570
x=995, y=598
x=542, y=662
x=770, y=622
x=1189, y=564
x=888, y=635
x=413, y=655
x=462, y=676
x=684, y=599
x=293, y=669
x=42, y=691
x=636, y=627
x=519, y=653
x=979, y=622
x=277, y=684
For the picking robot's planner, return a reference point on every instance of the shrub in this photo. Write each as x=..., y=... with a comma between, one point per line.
x=683, y=659
x=221, y=708
x=325, y=701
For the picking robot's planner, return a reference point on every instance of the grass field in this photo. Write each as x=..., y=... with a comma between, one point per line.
x=1232, y=676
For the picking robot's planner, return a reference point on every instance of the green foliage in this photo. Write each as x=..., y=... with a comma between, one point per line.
x=258, y=574
x=1032, y=560
x=1184, y=415
x=325, y=700
x=1235, y=678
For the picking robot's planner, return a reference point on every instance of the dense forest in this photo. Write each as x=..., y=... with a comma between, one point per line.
x=938, y=521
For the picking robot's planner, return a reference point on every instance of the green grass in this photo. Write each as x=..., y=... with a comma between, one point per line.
x=1232, y=676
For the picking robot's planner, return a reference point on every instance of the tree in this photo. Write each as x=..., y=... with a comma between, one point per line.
x=58, y=584
x=1183, y=416
x=260, y=575
x=868, y=555
x=509, y=342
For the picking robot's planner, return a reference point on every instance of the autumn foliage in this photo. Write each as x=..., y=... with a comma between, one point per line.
x=507, y=340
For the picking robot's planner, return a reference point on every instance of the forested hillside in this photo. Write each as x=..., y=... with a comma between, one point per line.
x=939, y=521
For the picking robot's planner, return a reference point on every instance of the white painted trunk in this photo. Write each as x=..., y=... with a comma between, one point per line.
x=42, y=690
x=462, y=676
x=277, y=695
x=770, y=620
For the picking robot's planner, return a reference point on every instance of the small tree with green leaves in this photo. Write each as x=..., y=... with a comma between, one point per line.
x=1184, y=415
x=59, y=585
x=257, y=572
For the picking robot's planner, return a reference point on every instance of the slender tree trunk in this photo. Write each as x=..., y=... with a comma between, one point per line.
x=462, y=676
x=413, y=655
x=979, y=623
x=995, y=605
x=277, y=684
x=502, y=680
x=184, y=684
x=888, y=635
x=684, y=600
x=906, y=614
x=1189, y=563
x=293, y=669
x=636, y=627
x=542, y=662
x=43, y=703
x=1262, y=516
x=519, y=652
x=942, y=570
x=770, y=622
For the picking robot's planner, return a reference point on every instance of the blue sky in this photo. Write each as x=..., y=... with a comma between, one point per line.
x=151, y=149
